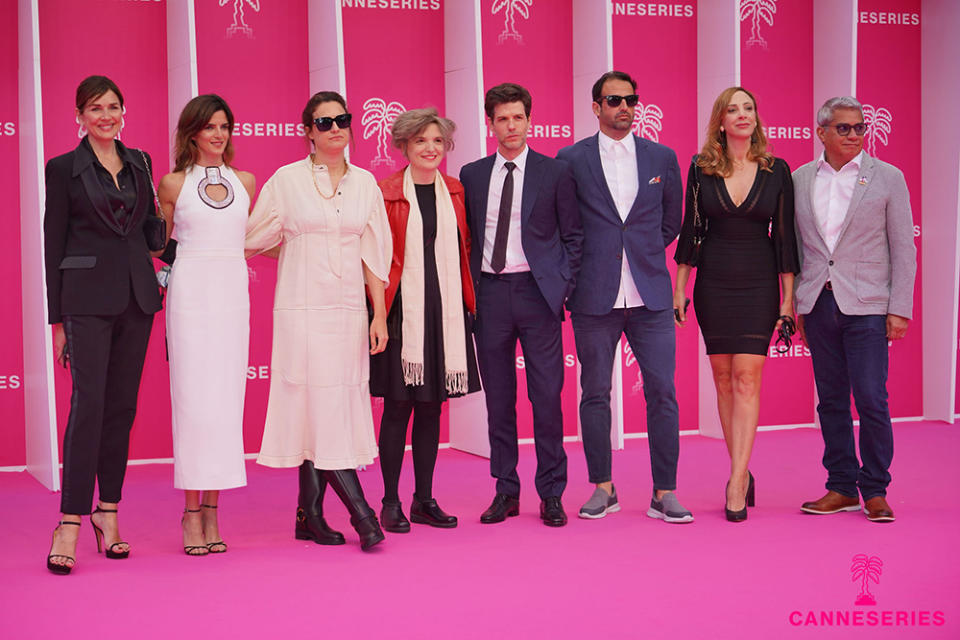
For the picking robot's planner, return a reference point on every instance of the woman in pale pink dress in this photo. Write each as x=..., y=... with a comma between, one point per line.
x=329, y=220
x=207, y=315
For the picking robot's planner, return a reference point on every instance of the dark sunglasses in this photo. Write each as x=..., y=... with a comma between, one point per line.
x=844, y=129
x=614, y=101
x=325, y=124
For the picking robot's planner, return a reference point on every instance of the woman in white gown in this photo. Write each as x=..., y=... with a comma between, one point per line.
x=329, y=220
x=207, y=312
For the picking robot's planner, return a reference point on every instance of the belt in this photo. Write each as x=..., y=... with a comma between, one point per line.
x=518, y=275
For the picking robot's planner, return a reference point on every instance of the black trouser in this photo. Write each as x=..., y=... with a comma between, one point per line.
x=106, y=361
x=424, y=440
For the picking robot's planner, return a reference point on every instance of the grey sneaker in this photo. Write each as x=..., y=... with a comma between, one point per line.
x=600, y=504
x=669, y=509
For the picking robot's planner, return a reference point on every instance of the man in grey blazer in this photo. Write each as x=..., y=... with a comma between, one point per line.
x=854, y=292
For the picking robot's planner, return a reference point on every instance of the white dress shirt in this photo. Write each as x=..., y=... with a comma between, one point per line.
x=832, y=191
x=516, y=260
x=619, y=161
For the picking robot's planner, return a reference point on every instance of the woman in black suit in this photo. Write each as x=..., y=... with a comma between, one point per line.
x=101, y=296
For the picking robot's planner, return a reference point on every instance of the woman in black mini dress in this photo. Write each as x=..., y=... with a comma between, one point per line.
x=745, y=268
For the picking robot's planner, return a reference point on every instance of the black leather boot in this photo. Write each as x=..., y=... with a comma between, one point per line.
x=392, y=518
x=429, y=512
x=310, y=523
x=347, y=486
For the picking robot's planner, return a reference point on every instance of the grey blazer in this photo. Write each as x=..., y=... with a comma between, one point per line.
x=873, y=266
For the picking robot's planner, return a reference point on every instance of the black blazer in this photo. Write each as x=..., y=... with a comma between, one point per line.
x=92, y=263
x=550, y=230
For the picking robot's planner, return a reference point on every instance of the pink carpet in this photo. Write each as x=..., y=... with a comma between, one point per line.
x=778, y=575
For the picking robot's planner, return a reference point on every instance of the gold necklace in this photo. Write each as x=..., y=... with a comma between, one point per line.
x=313, y=178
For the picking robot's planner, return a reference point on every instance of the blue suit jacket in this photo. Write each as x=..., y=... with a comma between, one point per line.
x=652, y=224
x=550, y=230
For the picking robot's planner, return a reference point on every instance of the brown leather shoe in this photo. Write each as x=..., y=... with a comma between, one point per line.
x=877, y=510
x=833, y=502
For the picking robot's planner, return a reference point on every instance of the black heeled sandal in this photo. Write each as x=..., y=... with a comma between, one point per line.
x=60, y=569
x=98, y=534
x=193, y=549
x=220, y=543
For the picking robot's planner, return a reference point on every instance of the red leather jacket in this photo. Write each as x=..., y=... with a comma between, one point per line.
x=398, y=210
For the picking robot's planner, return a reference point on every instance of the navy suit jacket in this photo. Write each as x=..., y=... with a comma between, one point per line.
x=550, y=230
x=652, y=224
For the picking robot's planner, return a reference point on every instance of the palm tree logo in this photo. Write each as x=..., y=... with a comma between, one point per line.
x=240, y=26
x=648, y=121
x=879, y=123
x=757, y=10
x=378, y=117
x=866, y=569
x=510, y=8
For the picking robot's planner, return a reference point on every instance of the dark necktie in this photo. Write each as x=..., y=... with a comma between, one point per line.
x=499, y=258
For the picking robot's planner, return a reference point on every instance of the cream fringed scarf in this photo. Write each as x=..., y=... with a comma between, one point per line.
x=447, y=251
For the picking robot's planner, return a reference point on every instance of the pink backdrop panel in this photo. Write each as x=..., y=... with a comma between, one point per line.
x=766, y=51
x=11, y=346
x=134, y=56
x=888, y=46
x=232, y=48
x=537, y=52
x=394, y=62
x=667, y=113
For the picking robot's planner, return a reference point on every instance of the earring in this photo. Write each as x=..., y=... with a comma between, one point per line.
x=82, y=131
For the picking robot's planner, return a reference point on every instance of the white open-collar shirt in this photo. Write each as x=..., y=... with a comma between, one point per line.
x=516, y=260
x=832, y=191
x=619, y=161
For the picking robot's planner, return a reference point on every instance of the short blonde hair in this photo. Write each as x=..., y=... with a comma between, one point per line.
x=411, y=123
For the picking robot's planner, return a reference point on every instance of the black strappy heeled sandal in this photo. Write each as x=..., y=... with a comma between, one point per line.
x=60, y=569
x=98, y=534
x=211, y=545
x=193, y=549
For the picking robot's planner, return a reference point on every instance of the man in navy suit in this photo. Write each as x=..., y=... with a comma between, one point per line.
x=526, y=237
x=630, y=205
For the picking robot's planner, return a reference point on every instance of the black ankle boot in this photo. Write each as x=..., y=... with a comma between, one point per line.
x=310, y=523
x=392, y=518
x=347, y=486
x=429, y=512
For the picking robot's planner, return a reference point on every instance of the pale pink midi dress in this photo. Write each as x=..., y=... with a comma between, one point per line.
x=319, y=406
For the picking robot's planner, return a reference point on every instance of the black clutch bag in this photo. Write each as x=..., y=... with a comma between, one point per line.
x=154, y=227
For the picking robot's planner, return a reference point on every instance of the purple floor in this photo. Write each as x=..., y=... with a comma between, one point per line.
x=781, y=574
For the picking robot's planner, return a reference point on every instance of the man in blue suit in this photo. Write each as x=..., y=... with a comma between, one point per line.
x=526, y=237
x=630, y=205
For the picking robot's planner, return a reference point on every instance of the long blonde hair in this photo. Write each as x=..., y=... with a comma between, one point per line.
x=713, y=158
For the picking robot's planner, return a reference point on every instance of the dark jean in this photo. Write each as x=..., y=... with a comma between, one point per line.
x=652, y=337
x=850, y=354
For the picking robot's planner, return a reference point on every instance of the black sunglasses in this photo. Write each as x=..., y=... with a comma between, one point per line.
x=614, y=101
x=325, y=123
x=844, y=129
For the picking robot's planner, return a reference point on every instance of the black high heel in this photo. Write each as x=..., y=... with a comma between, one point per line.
x=219, y=543
x=193, y=549
x=60, y=569
x=749, y=501
x=98, y=534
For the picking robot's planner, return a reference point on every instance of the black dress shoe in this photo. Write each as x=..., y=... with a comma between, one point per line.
x=428, y=512
x=502, y=507
x=552, y=513
x=392, y=518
